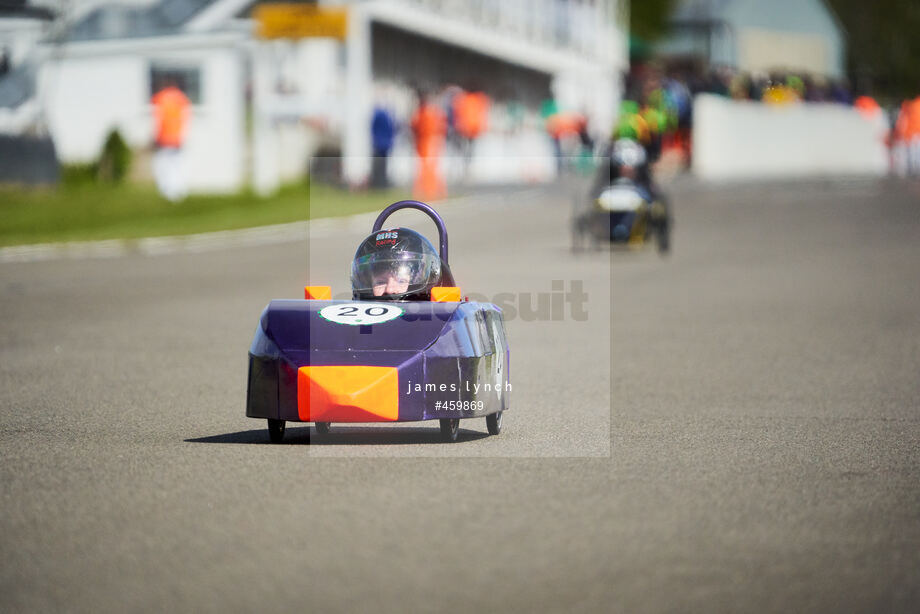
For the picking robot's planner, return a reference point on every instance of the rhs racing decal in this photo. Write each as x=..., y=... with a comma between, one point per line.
x=388, y=237
x=360, y=314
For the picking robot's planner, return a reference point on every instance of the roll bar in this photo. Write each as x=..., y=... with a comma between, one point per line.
x=427, y=209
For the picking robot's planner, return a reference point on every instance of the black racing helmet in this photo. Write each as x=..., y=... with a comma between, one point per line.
x=397, y=264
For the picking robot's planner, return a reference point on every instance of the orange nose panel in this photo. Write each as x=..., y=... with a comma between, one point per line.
x=347, y=394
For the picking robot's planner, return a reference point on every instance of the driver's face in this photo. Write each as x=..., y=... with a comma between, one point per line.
x=391, y=283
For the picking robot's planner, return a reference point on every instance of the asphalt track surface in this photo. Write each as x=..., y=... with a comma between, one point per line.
x=743, y=434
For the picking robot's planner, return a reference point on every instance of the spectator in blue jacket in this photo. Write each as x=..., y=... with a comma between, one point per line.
x=383, y=132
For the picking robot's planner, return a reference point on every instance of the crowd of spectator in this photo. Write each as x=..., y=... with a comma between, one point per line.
x=774, y=87
x=657, y=111
x=657, y=107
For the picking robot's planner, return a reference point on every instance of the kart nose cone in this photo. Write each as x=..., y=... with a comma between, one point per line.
x=347, y=394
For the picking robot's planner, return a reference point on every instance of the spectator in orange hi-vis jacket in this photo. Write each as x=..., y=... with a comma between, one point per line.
x=870, y=110
x=429, y=127
x=867, y=106
x=913, y=136
x=471, y=118
x=171, y=113
x=906, y=142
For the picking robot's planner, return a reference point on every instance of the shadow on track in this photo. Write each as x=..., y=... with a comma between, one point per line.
x=342, y=436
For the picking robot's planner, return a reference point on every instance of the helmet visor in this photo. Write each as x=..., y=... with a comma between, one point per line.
x=394, y=274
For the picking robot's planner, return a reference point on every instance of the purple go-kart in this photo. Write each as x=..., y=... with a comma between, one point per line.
x=395, y=353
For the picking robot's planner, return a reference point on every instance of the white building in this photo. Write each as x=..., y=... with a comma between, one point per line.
x=263, y=108
x=21, y=30
x=103, y=71
x=758, y=37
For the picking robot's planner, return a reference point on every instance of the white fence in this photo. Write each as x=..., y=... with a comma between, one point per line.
x=750, y=140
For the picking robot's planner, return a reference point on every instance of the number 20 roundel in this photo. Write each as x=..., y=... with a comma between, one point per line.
x=360, y=314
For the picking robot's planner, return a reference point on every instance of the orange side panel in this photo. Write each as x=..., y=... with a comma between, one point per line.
x=347, y=394
x=445, y=294
x=317, y=293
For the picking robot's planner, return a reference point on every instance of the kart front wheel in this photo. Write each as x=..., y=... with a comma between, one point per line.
x=275, y=430
x=322, y=427
x=494, y=423
x=450, y=428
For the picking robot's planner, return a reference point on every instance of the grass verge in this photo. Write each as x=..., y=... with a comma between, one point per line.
x=88, y=211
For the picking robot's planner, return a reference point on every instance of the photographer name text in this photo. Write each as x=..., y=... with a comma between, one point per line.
x=465, y=386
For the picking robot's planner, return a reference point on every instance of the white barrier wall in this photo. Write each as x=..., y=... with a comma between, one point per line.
x=750, y=140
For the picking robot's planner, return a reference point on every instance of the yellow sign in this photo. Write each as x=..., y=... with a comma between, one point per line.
x=288, y=20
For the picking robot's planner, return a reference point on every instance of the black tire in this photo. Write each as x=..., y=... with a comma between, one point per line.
x=275, y=430
x=662, y=223
x=664, y=240
x=579, y=232
x=450, y=428
x=494, y=423
x=322, y=427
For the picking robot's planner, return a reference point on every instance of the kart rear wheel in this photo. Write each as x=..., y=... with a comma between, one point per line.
x=664, y=240
x=322, y=427
x=450, y=428
x=578, y=235
x=494, y=423
x=275, y=430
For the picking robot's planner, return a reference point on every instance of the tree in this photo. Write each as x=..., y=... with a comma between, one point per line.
x=648, y=19
x=115, y=160
x=883, y=46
